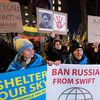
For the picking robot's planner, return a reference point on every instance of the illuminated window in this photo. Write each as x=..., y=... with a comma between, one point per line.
x=26, y=7
x=59, y=2
x=53, y=8
x=26, y=21
x=26, y=14
x=59, y=8
x=53, y=1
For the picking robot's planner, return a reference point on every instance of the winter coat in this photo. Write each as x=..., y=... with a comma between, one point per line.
x=15, y=65
x=72, y=60
x=54, y=55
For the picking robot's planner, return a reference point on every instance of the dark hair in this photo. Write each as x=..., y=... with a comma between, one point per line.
x=46, y=14
x=56, y=40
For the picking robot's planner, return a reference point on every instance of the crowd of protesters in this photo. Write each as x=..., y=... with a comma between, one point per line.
x=56, y=52
x=77, y=54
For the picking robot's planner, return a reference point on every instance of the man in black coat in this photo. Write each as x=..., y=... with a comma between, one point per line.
x=7, y=53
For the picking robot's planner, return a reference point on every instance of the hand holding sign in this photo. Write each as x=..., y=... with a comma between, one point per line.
x=95, y=46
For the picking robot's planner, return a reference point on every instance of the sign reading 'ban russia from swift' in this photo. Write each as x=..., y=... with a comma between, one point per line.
x=73, y=82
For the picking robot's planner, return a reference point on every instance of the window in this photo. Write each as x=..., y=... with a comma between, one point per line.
x=59, y=8
x=59, y=2
x=25, y=7
x=53, y=8
x=26, y=14
x=27, y=21
x=53, y=1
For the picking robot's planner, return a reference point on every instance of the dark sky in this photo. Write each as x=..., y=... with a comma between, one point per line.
x=74, y=15
x=74, y=11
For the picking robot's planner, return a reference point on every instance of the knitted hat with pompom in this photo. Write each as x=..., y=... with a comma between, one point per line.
x=22, y=44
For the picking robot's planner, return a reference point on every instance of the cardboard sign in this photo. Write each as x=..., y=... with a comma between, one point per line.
x=10, y=17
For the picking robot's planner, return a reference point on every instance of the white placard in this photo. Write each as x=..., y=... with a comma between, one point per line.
x=44, y=20
x=52, y=21
x=10, y=17
x=60, y=22
x=73, y=82
x=93, y=29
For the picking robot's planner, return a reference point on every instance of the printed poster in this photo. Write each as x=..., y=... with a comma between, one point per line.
x=28, y=84
x=73, y=82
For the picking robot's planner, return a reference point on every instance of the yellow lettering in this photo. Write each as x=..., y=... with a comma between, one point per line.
x=4, y=97
x=22, y=90
x=9, y=83
x=44, y=82
x=1, y=86
x=32, y=86
x=38, y=76
x=44, y=74
x=25, y=81
x=18, y=81
x=38, y=85
x=31, y=77
x=13, y=93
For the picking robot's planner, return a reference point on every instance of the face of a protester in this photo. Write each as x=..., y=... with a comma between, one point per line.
x=78, y=53
x=28, y=53
x=45, y=21
x=57, y=45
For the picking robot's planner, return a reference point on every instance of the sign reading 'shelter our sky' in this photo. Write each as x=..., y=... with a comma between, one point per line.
x=27, y=84
x=73, y=82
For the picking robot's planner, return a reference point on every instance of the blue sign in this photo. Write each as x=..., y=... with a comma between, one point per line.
x=28, y=84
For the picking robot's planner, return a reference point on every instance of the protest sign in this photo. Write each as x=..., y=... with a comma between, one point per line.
x=10, y=17
x=73, y=82
x=60, y=23
x=28, y=84
x=93, y=29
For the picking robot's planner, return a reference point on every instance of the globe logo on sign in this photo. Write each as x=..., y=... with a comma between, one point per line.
x=75, y=93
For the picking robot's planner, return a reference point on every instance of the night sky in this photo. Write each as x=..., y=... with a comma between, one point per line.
x=74, y=12
x=73, y=9
x=74, y=15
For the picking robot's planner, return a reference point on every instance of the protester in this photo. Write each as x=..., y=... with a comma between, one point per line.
x=54, y=55
x=7, y=54
x=45, y=21
x=26, y=57
x=77, y=55
x=93, y=53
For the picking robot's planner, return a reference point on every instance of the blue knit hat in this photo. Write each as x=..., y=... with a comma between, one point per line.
x=22, y=44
